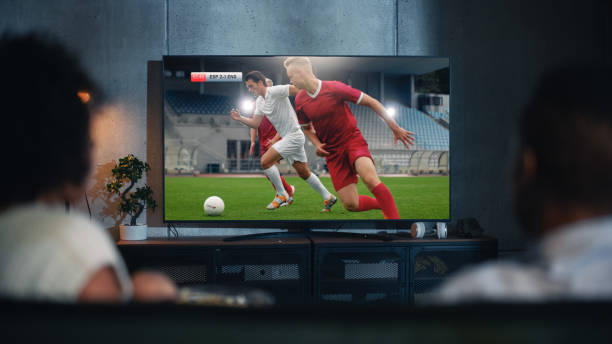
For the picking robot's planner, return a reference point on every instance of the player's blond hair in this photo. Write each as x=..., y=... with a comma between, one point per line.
x=300, y=61
x=269, y=82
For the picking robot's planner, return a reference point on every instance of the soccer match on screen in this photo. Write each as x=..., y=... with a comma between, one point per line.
x=306, y=138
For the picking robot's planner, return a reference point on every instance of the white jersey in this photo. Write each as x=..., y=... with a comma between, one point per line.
x=46, y=254
x=277, y=107
x=571, y=263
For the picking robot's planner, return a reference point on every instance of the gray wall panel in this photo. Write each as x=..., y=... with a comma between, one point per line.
x=114, y=39
x=497, y=50
x=319, y=27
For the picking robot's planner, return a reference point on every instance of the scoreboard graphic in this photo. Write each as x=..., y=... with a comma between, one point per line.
x=216, y=77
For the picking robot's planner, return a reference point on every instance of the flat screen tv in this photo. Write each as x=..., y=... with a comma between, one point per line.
x=208, y=153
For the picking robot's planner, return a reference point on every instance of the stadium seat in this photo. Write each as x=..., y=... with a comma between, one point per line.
x=429, y=134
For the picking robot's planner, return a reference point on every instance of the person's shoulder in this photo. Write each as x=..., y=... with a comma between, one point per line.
x=46, y=220
x=259, y=103
x=300, y=96
x=332, y=84
x=493, y=281
x=277, y=91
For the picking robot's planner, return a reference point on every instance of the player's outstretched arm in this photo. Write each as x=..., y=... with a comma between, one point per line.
x=252, y=122
x=312, y=136
x=293, y=90
x=399, y=133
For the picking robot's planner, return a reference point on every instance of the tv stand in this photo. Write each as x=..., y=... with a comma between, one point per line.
x=312, y=269
x=309, y=233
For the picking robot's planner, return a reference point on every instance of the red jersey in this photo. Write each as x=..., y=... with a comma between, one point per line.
x=331, y=117
x=265, y=131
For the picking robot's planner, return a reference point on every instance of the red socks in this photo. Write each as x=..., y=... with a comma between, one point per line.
x=385, y=199
x=287, y=187
x=367, y=203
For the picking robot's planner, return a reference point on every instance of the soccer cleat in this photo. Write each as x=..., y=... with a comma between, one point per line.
x=290, y=199
x=279, y=201
x=328, y=204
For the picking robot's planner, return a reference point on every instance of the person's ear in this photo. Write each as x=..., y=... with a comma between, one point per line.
x=529, y=164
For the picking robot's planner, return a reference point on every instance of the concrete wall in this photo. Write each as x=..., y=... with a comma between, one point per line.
x=504, y=44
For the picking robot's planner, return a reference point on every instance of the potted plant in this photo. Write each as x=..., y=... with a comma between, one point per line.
x=127, y=173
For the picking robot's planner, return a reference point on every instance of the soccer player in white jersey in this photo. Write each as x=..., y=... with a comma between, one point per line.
x=273, y=102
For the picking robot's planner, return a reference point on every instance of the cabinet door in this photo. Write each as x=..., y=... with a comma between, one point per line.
x=431, y=265
x=186, y=266
x=283, y=272
x=359, y=275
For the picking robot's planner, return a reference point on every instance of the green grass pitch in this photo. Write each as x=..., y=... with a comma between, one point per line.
x=246, y=199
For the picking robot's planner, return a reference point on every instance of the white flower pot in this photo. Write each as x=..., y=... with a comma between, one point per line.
x=138, y=232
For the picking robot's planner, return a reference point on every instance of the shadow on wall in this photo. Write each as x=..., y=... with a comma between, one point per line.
x=107, y=203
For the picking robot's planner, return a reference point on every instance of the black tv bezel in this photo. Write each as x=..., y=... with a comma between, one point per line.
x=300, y=225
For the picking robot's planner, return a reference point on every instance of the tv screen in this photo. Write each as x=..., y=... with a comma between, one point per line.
x=208, y=151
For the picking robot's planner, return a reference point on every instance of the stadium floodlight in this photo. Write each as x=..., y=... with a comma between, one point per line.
x=391, y=112
x=247, y=106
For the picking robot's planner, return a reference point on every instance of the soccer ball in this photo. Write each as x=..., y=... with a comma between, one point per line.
x=213, y=206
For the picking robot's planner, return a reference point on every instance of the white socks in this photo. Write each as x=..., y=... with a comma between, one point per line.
x=316, y=184
x=274, y=176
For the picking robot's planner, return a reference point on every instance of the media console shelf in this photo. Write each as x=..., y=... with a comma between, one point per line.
x=313, y=270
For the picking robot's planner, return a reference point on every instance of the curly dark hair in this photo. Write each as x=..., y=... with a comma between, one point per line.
x=567, y=126
x=46, y=124
x=256, y=76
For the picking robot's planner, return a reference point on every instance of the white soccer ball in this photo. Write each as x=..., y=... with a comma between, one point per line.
x=213, y=206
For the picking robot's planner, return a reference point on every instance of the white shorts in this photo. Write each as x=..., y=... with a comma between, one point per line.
x=291, y=147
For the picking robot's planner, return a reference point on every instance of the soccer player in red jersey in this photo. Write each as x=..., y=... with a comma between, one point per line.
x=267, y=137
x=329, y=124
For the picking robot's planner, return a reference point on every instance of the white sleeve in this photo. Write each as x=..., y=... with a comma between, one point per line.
x=492, y=282
x=280, y=91
x=93, y=249
x=360, y=98
x=56, y=254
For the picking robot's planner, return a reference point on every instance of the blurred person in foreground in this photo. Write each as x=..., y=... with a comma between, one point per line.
x=46, y=253
x=562, y=198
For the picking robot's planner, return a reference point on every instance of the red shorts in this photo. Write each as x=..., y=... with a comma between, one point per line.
x=341, y=163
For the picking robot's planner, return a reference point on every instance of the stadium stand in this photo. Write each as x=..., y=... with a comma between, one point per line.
x=429, y=134
x=193, y=103
x=440, y=115
x=198, y=129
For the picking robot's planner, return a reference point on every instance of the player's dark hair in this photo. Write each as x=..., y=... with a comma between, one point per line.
x=256, y=76
x=567, y=125
x=46, y=136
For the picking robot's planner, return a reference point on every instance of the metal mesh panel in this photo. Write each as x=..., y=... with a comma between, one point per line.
x=264, y=272
x=271, y=272
x=358, y=295
x=425, y=285
x=231, y=269
x=342, y=266
x=337, y=297
x=371, y=270
x=371, y=297
x=182, y=274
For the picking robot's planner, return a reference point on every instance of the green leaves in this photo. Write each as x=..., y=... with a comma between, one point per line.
x=130, y=168
x=127, y=172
